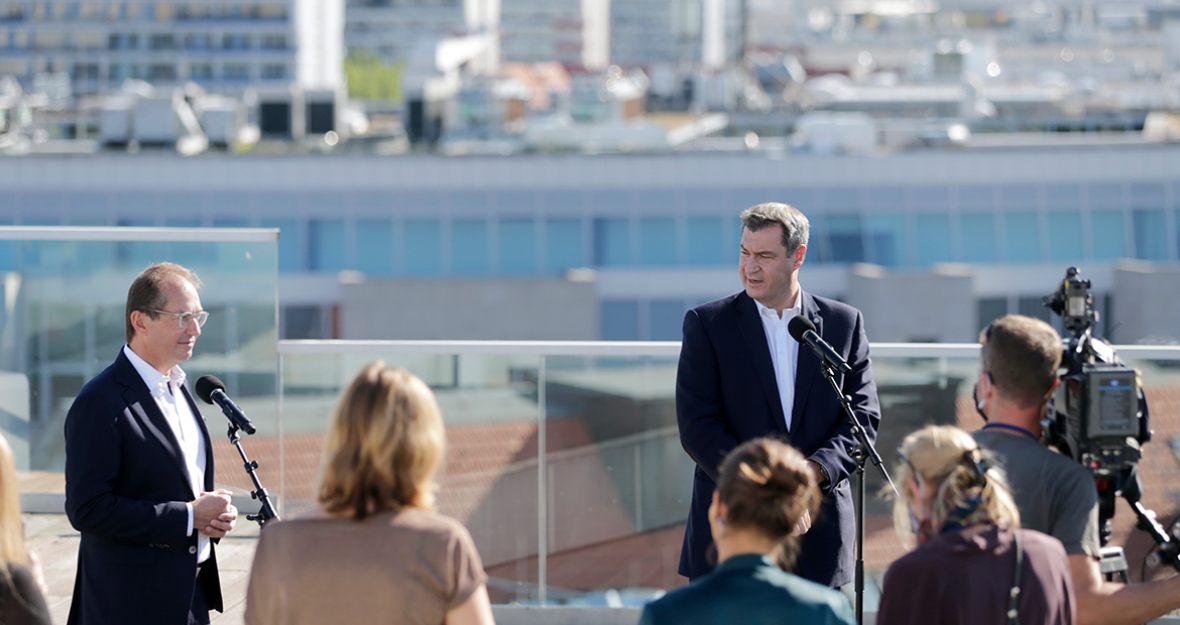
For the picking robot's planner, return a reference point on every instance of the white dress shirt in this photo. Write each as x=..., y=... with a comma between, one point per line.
x=165, y=389
x=784, y=351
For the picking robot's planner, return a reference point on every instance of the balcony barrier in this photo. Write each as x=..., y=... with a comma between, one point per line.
x=564, y=462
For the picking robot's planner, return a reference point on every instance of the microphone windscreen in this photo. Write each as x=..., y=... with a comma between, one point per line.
x=206, y=385
x=796, y=327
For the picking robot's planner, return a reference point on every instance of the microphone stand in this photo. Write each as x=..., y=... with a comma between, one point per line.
x=267, y=512
x=863, y=451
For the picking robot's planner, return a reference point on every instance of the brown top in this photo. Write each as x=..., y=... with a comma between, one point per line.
x=407, y=567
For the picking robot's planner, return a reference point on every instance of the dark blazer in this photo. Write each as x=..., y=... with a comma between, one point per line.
x=126, y=488
x=726, y=394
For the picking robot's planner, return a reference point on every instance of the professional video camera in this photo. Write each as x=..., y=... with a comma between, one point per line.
x=1098, y=416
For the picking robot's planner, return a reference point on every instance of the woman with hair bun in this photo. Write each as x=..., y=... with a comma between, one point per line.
x=765, y=492
x=972, y=564
x=374, y=551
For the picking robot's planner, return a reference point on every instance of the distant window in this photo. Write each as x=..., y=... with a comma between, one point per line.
x=976, y=197
x=846, y=239
x=161, y=42
x=325, y=245
x=201, y=71
x=235, y=71
x=469, y=247
x=619, y=321
x=1106, y=195
x=518, y=246
x=1107, y=235
x=989, y=309
x=979, y=237
x=1150, y=235
x=705, y=243
x=161, y=72
x=198, y=42
x=1019, y=196
x=666, y=320
x=1063, y=194
x=1034, y=307
x=563, y=245
x=303, y=322
x=374, y=246
x=934, y=238
x=235, y=42
x=423, y=247
x=1021, y=239
x=612, y=242
x=290, y=256
x=274, y=42
x=657, y=241
x=1065, y=235
x=887, y=233
x=274, y=71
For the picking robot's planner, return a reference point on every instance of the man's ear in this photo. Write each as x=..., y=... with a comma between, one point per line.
x=800, y=255
x=139, y=321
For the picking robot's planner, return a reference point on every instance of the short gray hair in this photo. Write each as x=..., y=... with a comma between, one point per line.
x=796, y=228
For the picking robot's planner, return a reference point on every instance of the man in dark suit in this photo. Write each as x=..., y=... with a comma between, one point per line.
x=139, y=471
x=742, y=376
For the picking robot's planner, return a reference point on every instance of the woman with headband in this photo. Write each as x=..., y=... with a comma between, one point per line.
x=766, y=490
x=972, y=564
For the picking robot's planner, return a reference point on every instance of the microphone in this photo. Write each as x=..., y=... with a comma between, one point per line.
x=211, y=390
x=803, y=330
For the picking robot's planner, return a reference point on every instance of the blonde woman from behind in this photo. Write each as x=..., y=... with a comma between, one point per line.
x=21, y=601
x=973, y=565
x=373, y=551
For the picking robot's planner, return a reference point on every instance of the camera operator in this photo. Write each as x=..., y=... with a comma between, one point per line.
x=1055, y=495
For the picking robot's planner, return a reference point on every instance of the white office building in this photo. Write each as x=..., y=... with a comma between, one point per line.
x=225, y=47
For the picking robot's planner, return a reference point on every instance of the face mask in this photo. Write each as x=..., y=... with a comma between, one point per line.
x=979, y=403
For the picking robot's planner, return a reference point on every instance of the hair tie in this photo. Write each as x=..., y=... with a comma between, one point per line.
x=977, y=461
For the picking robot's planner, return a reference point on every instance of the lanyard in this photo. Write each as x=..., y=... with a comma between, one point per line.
x=1014, y=428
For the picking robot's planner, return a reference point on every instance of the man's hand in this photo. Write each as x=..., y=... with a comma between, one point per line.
x=213, y=514
x=820, y=477
x=803, y=524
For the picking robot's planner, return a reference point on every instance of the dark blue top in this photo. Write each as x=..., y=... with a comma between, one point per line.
x=752, y=590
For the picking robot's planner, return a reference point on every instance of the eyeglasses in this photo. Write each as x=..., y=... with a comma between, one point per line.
x=185, y=318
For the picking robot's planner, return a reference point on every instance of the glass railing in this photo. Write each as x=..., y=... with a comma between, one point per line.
x=564, y=460
x=62, y=320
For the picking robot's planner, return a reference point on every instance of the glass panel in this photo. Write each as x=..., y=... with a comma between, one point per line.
x=887, y=233
x=469, y=246
x=374, y=246
x=1021, y=241
x=976, y=197
x=1020, y=195
x=612, y=242
x=934, y=238
x=563, y=245
x=846, y=239
x=518, y=246
x=422, y=242
x=619, y=482
x=1063, y=194
x=932, y=196
x=1105, y=195
x=1065, y=235
x=325, y=245
x=1107, y=236
x=488, y=479
x=1150, y=236
x=64, y=324
x=706, y=245
x=619, y=321
x=657, y=241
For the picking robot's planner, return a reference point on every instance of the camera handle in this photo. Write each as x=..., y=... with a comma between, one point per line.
x=1167, y=544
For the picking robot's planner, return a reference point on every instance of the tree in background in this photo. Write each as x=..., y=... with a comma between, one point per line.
x=370, y=78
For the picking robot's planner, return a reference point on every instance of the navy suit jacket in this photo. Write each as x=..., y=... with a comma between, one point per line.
x=726, y=394
x=126, y=489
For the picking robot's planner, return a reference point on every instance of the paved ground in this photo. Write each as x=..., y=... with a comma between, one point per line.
x=56, y=544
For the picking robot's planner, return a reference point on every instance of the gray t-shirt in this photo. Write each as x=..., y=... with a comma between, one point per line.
x=1054, y=494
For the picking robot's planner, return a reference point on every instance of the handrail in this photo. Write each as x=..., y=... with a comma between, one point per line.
x=661, y=349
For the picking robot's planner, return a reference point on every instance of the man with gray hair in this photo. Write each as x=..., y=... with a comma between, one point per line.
x=742, y=376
